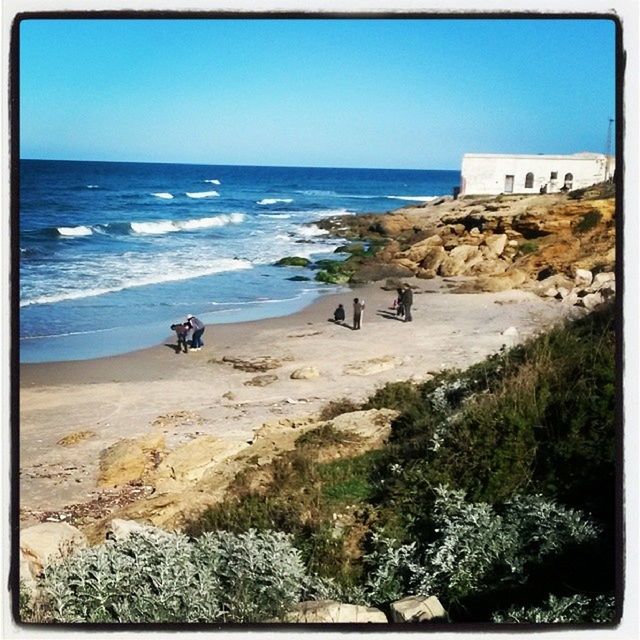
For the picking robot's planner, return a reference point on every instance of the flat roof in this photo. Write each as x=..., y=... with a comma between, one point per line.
x=540, y=156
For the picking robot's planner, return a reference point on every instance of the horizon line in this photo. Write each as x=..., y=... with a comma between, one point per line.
x=204, y=164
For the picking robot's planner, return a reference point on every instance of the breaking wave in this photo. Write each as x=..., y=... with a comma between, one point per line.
x=202, y=194
x=74, y=232
x=267, y=201
x=164, y=195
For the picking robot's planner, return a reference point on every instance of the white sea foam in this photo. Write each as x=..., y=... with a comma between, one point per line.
x=414, y=198
x=92, y=186
x=202, y=194
x=267, y=201
x=214, y=221
x=329, y=213
x=162, y=226
x=171, y=226
x=311, y=231
x=212, y=181
x=74, y=232
x=162, y=273
x=282, y=216
x=164, y=195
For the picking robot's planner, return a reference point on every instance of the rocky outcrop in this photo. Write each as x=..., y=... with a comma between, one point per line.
x=492, y=240
x=372, y=426
x=128, y=460
x=256, y=364
x=417, y=609
x=45, y=543
x=331, y=611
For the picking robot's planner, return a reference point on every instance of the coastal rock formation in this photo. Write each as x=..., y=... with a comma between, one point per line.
x=189, y=463
x=417, y=609
x=128, y=460
x=373, y=425
x=75, y=437
x=257, y=364
x=44, y=543
x=493, y=240
x=331, y=611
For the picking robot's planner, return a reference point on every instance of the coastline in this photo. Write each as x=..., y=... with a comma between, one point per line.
x=184, y=396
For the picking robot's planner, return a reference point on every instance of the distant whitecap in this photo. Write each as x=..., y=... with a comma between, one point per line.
x=267, y=201
x=72, y=232
x=202, y=194
x=164, y=195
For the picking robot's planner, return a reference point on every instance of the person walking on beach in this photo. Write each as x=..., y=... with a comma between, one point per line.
x=358, y=309
x=182, y=331
x=197, y=326
x=399, y=304
x=406, y=301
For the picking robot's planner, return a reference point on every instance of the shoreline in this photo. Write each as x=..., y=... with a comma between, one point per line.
x=180, y=397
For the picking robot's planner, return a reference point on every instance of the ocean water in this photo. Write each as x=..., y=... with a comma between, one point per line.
x=111, y=253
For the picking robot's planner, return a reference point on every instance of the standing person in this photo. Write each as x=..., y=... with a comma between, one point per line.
x=399, y=304
x=407, y=301
x=198, y=329
x=358, y=308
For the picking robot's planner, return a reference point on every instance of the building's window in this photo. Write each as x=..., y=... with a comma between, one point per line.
x=528, y=181
x=568, y=181
x=554, y=175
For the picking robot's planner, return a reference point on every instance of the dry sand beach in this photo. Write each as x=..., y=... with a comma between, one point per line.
x=71, y=411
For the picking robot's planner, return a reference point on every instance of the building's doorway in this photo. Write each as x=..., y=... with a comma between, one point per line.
x=508, y=184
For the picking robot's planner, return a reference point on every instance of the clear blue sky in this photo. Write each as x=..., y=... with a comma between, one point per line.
x=344, y=93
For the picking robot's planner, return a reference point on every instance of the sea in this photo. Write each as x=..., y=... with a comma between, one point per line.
x=112, y=253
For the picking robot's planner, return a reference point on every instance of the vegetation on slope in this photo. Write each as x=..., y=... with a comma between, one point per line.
x=495, y=492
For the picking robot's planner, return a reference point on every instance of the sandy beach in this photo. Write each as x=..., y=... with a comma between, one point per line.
x=194, y=394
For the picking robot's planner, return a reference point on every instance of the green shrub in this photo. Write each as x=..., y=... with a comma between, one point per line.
x=588, y=221
x=335, y=408
x=573, y=609
x=528, y=247
x=475, y=546
x=150, y=577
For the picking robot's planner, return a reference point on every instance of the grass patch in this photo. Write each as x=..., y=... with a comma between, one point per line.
x=336, y=408
x=588, y=221
x=528, y=247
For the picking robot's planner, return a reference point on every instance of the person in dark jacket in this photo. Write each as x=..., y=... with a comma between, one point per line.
x=358, y=308
x=182, y=330
x=339, y=315
x=197, y=326
x=399, y=304
x=407, y=301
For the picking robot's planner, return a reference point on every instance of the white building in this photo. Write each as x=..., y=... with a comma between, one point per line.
x=492, y=174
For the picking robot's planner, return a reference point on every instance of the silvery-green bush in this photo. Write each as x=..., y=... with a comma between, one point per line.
x=575, y=609
x=159, y=577
x=475, y=545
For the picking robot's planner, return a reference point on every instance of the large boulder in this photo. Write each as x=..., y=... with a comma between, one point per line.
x=331, y=611
x=417, y=609
x=45, y=543
x=418, y=251
x=188, y=463
x=460, y=259
x=373, y=425
x=602, y=279
x=509, y=280
x=583, y=278
x=592, y=301
x=128, y=460
x=496, y=243
x=433, y=257
x=120, y=529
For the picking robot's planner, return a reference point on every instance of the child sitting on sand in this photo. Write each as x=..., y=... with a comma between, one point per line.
x=182, y=330
x=339, y=315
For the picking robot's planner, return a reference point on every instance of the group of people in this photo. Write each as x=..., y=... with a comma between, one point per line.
x=402, y=305
x=193, y=327
x=339, y=314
